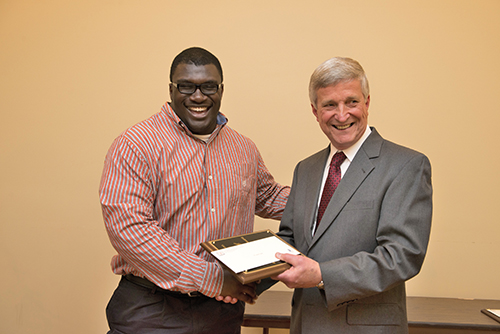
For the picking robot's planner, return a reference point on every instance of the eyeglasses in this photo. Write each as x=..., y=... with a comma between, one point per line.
x=206, y=88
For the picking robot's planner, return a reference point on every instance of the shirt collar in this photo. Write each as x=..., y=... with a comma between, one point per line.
x=350, y=152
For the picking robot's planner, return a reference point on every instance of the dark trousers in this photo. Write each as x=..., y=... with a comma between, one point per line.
x=135, y=309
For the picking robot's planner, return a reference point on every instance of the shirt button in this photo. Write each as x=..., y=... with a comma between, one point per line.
x=210, y=177
x=213, y=210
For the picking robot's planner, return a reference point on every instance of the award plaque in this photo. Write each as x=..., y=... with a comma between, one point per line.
x=493, y=314
x=251, y=257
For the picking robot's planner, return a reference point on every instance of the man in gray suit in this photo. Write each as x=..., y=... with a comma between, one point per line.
x=374, y=232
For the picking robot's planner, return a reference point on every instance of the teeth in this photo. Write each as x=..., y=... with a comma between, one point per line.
x=342, y=127
x=198, y=109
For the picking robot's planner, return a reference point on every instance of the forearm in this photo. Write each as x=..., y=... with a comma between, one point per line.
x=128, y=197
x=151, y=252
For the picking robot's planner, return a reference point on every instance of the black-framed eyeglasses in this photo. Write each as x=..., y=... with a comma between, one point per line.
x=207, y=88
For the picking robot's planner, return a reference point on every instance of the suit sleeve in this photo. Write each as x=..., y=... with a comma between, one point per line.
x=286, y=231
x=404, y=220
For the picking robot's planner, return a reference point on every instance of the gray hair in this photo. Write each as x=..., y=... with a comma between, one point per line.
x=335, y=70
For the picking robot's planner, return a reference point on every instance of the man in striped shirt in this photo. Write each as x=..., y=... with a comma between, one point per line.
x=177, y=179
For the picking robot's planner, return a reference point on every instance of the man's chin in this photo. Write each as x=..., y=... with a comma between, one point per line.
x=201, y=128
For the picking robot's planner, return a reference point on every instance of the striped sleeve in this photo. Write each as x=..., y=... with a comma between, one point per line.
x=271, y=196
x=145, y=249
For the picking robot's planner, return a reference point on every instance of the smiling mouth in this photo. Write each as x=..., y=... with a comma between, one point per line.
x=343, y=127
x=198, y=110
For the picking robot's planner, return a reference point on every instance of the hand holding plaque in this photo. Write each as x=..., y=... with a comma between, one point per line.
x=251, y=257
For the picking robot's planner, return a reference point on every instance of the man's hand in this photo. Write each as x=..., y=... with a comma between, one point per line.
x=304, y=273
x=233, y=290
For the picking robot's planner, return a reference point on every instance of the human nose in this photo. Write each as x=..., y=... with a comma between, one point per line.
x=198, y=95
x=342, y=113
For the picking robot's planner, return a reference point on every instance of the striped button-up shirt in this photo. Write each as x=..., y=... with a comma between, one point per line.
x=163, y=192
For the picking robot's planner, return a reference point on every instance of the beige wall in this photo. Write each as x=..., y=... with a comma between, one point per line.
x=74, y=74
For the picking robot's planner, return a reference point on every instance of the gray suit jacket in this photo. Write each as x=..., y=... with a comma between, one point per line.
x=372, y=238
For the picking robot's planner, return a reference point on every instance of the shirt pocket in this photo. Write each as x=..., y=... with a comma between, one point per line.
x=244, y=181
x=242, y=188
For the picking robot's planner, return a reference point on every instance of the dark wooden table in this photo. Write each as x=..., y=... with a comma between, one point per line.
x=426, y=315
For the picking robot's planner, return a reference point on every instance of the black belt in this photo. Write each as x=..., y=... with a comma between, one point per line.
x=150, y=285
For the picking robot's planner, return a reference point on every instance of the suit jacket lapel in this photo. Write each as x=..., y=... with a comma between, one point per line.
x=359, y=169
x=315, y=177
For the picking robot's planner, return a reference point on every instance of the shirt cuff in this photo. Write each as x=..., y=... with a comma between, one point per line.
x=211, y=285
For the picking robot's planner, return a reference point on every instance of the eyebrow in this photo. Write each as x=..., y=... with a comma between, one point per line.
x=347, y=99
x=187, y=81
x=329, y=102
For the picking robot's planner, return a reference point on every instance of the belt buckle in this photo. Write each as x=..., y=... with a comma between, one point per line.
x=193, y=294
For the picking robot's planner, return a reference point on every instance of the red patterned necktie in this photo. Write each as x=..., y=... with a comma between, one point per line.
x=332, y=181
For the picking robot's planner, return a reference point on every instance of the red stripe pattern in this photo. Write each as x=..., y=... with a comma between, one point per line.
x=163, y=192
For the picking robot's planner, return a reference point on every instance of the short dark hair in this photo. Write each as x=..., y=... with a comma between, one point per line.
x=197, y=56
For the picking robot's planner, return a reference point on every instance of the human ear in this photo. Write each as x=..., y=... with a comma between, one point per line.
x=315, y=112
